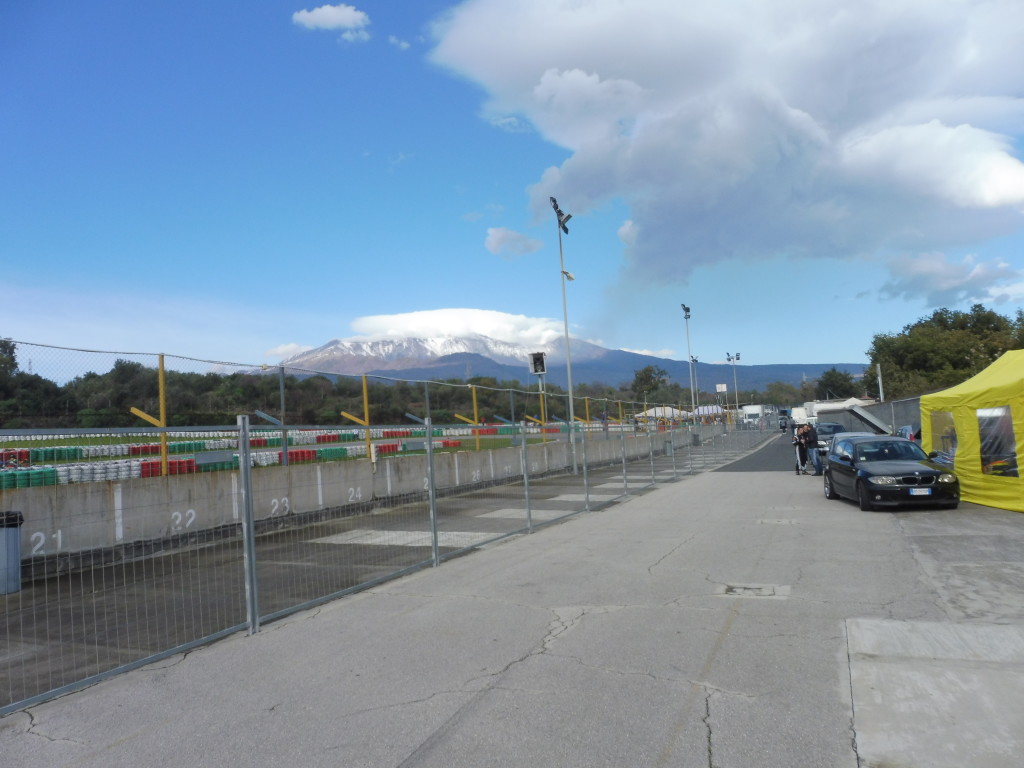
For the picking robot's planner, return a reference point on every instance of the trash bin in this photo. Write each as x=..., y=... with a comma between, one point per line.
x=10, y=552
x=668, y=448
x=695, y=439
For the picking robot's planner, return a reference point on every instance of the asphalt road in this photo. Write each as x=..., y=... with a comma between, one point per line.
x=735, y=618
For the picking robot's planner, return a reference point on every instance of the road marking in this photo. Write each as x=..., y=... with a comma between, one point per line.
x=457, y=539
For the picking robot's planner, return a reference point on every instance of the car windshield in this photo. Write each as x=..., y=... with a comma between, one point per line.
x=829, y=429
x=889, y=451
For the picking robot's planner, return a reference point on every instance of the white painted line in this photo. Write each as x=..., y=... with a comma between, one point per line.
x=583, y=497
x=520, y=514
x=406, y=538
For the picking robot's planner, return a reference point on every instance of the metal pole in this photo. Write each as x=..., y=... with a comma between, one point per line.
x=435, y=550
x=696, y=384
x=561, y=220
x=284, y=430
x=568, y=356
x=252, y=609
x=689, y=357
x=525, y=459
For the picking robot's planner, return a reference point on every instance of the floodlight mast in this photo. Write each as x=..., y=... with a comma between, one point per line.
x=693, y=387
x=734, y=359
x=563, y=219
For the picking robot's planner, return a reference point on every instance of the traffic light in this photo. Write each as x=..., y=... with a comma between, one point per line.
x=537, y=363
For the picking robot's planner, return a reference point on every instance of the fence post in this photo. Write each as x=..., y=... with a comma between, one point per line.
x=432, y=494
x=586, y=481
x=625, y=477
x=525, y=460
x=650, y=450
x=252, y=604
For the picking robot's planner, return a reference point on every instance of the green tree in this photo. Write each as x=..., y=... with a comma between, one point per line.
x=782, y=394
x=834, y=384
x=647, y=380
x=940, y=351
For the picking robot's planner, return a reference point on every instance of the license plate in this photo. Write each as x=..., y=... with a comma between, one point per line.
x=920, y=491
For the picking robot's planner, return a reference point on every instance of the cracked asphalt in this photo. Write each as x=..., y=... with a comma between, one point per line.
x=733, y=619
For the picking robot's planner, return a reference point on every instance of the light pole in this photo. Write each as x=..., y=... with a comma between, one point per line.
x=693, y=398
x=734, y=359
x=696, y=384
x=563, y=219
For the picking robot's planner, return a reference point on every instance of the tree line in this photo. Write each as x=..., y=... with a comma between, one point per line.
x=933, y=353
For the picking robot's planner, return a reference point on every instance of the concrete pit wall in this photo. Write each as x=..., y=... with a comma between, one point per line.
x=110, y=518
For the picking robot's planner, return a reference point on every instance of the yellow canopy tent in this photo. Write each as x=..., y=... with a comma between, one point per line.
x=975, y=425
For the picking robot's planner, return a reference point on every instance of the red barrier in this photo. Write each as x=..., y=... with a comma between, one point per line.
x=297, y=455
x=181, y=466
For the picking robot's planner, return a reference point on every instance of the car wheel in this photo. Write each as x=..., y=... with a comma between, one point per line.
x=830, y=492
x=863, y=499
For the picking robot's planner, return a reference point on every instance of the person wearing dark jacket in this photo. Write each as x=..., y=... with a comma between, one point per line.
x=811, y=442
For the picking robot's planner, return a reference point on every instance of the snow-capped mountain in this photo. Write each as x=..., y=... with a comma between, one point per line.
x=339, y=356
x=462, y=357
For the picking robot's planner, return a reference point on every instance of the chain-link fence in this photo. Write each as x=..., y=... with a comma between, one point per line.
x=126, y=542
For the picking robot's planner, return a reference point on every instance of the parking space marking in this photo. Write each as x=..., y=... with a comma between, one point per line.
x=457, y=539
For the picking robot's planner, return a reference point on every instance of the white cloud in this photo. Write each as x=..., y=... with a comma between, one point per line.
x=401, y=45
x=517, y=329
x=344, y=17
x=505, y=241
x=941, y=282
x=284, y=351
x=964, y=166
x=663, y=353
x=753, y=130
x=627, y=233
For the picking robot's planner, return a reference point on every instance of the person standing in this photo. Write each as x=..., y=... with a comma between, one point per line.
x=811, y=441
x=801, y=449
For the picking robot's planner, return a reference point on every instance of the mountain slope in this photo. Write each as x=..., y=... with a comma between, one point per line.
x=474, y=355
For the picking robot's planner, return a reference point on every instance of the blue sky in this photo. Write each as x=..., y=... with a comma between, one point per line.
x=240, y=181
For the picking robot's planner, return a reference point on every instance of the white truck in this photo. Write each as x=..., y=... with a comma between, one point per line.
x=752, y=415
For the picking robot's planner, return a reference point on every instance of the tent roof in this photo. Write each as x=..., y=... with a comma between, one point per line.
x=708, y=410
x=1002, y=381
x=835, y=405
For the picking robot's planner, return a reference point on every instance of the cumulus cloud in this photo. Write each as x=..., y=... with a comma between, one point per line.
x=344, y=17
x=501, y=241
x=284, y=351
x=752, y=130
x=943, y=282
x=402, y=45
x=516, y=329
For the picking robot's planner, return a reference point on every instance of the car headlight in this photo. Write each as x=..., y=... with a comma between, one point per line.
x=882, y=480
x=947, y=478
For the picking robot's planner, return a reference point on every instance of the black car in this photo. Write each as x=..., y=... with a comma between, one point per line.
x=883, y=471
x=825, y=430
